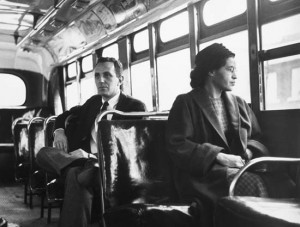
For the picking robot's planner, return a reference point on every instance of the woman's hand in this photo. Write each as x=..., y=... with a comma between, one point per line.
x=249, y=154
x=230, y=160
x=60, y=140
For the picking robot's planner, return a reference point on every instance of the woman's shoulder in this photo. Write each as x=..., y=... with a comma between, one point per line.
x=237, y=97
x=185, y=96
x=240, y=101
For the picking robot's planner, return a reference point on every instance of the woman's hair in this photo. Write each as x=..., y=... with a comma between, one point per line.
x=210, y=58
x=118, y=65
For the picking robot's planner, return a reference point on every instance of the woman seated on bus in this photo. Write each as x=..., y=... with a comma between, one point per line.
x=212, y=134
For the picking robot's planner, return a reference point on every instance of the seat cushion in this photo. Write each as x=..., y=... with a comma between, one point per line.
x=147, y=215
x=259, y=212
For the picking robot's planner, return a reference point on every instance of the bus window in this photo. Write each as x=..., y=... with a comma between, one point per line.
x=88, y=88
x=87, y=83
x=173, y=77
x=282, y=83
x=12, y=90
x=72, y=70
x=141, y=83
x=71, y=95
x=141, y=41
x=222, y=10
x=273, y=37
x=111, y=51
x=174, y=27
x=238, y=43
x=87, y=63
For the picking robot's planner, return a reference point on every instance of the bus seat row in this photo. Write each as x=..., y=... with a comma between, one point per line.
x=29, y=137
x=136, y=183
x=137, y=186
x=20, y=138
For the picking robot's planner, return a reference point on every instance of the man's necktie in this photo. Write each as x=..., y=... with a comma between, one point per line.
x=104, y=108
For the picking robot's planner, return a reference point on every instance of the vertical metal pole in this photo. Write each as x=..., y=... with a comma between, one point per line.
x=256, y=86
x=124, y=56
x=193, y=33
x=153, y=66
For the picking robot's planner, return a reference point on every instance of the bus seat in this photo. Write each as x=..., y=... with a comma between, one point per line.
x=137, y=186
x=20, y=139
x=244, y=211
x=54, y=186
x=36, y=140
x=71, y=124
x=54, y=193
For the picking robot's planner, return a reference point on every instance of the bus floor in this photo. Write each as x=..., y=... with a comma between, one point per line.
x=18, y=214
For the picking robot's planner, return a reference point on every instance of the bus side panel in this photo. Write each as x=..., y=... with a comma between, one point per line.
x=281, y=131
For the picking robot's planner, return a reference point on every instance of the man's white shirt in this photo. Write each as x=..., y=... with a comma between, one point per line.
x=112, y=103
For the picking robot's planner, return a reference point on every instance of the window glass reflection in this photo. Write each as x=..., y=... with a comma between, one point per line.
x=72, y=70
x=280, y=33
x=87, y=64
x=282, y=83
x=141, y=83
x=111, y=51
x=88, y=89
x=71, y=95
x=141, y=41
x=174, y=27
x=12, y=90
x=173, y=77
x=222, y=10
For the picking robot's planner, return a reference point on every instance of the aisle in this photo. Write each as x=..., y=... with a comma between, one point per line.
x=18, y=214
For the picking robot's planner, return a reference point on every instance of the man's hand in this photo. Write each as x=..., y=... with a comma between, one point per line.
x=230, y=160
x=60, y=140
x=83, y=154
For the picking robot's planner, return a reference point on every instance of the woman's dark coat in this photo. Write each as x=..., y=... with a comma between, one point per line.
x=194, y=139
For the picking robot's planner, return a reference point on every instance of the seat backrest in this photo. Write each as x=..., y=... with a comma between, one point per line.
x=49, y=124
x=71, y=124
x=36, y=139
x=20, y=138
x=136, y=166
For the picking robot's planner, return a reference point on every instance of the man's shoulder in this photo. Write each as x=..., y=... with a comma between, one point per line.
x=92, y=101
x=130, y=98
x=94, y=98
x=131, y=103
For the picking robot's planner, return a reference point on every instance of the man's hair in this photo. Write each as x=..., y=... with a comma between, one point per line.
x=118, y=65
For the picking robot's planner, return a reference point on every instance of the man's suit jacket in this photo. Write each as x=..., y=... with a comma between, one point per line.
x=85, y=117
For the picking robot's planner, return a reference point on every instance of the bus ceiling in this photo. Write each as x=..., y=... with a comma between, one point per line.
x=67, y=28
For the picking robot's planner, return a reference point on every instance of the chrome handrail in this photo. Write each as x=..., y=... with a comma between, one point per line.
x=134, y=114
x=255, y=162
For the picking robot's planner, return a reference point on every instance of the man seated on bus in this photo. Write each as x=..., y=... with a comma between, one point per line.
x=75, y=158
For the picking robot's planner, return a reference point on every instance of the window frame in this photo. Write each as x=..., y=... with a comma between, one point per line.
x=175, y=44
x=218, y=30
x=270, y=12
x=138, y=56
x=69, y=78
